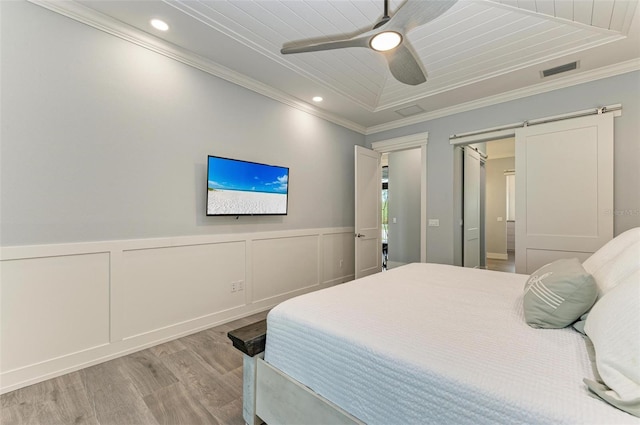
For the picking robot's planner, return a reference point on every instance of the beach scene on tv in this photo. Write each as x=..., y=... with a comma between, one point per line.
x=240, y=188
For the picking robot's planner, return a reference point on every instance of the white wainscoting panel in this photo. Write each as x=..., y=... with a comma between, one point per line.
x=68, y=306
x=165, y=286
x=338, y=257
x=53, y=306
x=284, y=265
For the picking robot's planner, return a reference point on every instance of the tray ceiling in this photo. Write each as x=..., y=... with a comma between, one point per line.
x=476, y=49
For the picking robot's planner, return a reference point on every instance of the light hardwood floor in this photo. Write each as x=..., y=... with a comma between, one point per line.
x=192, y=380
x=508, y=265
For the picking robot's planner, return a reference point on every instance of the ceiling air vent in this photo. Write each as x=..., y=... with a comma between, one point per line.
x=559, y=69
x=410, y=110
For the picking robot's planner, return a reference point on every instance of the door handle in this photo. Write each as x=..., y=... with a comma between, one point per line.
x=359, y=235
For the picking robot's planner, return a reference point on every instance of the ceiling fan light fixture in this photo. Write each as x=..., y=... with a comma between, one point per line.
x=385, y=41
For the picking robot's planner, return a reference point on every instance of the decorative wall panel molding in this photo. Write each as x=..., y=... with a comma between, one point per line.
x=69, y=306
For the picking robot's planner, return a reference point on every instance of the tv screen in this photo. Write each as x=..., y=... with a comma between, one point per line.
x=237, y=187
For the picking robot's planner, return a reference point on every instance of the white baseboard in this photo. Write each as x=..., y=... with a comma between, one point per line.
x=497, y=256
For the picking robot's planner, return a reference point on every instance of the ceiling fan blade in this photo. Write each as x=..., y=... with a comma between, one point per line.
x=360, y=41
x=404, y=66
x=414, y=13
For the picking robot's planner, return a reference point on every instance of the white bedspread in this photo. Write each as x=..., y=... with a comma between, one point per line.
x=428, y=343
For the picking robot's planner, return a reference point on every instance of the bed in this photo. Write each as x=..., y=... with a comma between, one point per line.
x=430, y=343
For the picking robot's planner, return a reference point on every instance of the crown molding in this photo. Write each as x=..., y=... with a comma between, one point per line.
x=401, y=143
x=568, y=81
x=121, y=30
x=523, y=65
x=188, y=10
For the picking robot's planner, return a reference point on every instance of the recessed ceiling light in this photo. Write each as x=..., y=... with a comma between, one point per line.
x=386, y=40
x=159, y=24
x=317, y=99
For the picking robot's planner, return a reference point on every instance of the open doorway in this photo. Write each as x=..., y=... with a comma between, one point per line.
x=485, y=205
x=500, y=206
x=385, y=210
x=369, y=227
x=402, y=217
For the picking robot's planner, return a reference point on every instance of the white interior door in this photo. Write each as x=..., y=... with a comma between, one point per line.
x=368, y=187
x=471, y=214
x=565, y=190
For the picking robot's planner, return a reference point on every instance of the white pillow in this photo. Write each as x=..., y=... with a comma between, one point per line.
x=613, y=325
x=616, y=260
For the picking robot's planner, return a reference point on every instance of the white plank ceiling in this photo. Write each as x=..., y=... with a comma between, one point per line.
x=476, y=49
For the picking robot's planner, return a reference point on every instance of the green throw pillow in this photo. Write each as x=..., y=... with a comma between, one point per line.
x=557, y=294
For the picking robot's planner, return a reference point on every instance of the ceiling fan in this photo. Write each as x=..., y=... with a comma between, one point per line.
x=389, y=38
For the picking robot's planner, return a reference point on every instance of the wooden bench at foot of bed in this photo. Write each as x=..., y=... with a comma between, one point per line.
x=271, y=396
x=251, y=340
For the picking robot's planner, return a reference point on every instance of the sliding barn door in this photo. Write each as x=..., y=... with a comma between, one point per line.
x=368, y=194
x=564, y=206
x=471, y=220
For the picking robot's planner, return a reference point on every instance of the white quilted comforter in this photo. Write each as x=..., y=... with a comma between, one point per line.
x=428, y=343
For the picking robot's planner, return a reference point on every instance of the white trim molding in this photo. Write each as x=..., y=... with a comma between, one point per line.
x=134, y=294
x=102, y=22
x=401, y=143
x=568, y=81
x=88, y=16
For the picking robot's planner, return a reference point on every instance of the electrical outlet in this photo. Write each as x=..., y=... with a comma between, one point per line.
x=341, y=263
x=237, y=286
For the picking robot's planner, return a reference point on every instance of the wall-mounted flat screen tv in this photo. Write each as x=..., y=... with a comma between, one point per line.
x=237, y=187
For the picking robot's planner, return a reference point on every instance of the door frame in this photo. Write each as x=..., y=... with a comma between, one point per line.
x=412, y=141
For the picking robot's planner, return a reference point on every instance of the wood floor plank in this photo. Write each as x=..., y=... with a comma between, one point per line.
x=147, y=372
x=168, y=348
x=231, y=413
x=174, y=405
x=48, y=412
x=60, y=400
x=201, y=379
x=114, y=397
x=43, y=391
x=195, y=379
x=220, y=355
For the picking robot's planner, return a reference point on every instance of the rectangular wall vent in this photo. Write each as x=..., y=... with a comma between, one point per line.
x=559, y=69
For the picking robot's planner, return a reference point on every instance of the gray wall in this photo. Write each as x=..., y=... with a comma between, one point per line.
x=103, y=139
x=404, y=205
x=496, y=186
x=624, y=89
